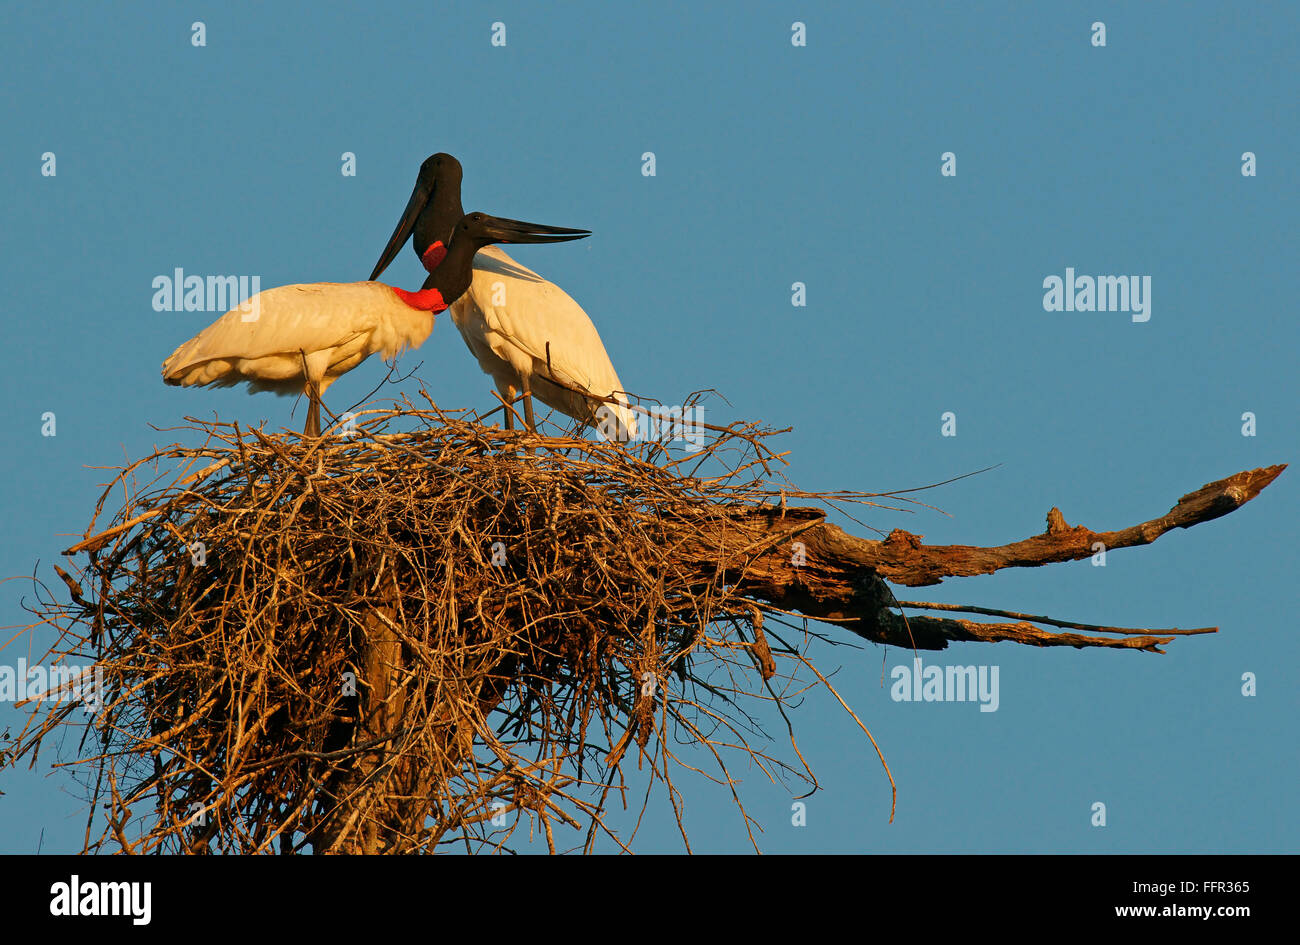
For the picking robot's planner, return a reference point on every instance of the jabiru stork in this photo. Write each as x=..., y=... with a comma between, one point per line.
x=526, y=333
x=301, y=338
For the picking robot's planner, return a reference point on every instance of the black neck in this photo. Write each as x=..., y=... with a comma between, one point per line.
x=439, y=218
x=453, y=276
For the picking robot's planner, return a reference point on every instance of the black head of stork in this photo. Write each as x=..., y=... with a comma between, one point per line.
x=431, y=214
x=474, y=231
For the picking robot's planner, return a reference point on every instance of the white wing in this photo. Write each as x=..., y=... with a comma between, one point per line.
x=332, y=325
x=535, y=327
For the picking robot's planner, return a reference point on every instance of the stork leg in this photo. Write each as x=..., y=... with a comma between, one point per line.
x=510, y=409
x=528, y=404
x=313, y=410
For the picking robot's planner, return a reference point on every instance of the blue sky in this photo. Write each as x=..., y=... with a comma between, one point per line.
x=774, y=164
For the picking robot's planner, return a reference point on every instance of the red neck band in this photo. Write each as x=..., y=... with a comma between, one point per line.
x=426, y=300
x=433, y=256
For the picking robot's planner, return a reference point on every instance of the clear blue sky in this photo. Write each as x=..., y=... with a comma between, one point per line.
x=775, y=164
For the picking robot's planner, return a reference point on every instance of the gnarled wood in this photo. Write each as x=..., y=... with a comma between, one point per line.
x=840, y=580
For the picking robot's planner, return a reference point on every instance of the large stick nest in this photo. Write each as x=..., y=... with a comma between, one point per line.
x=400, y=639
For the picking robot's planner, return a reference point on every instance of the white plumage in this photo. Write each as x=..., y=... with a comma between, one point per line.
x=332, y=326
x=507, y=318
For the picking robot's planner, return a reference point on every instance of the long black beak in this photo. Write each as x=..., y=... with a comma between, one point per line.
x=420, y=198
x=503, y=230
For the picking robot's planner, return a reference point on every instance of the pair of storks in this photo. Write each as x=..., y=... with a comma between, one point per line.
x=527, y=333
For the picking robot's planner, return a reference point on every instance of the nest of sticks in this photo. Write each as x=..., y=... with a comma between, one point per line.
x=428, y=632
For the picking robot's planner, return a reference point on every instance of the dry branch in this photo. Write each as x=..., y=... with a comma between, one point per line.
x=903, y=559
x=840, y=578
